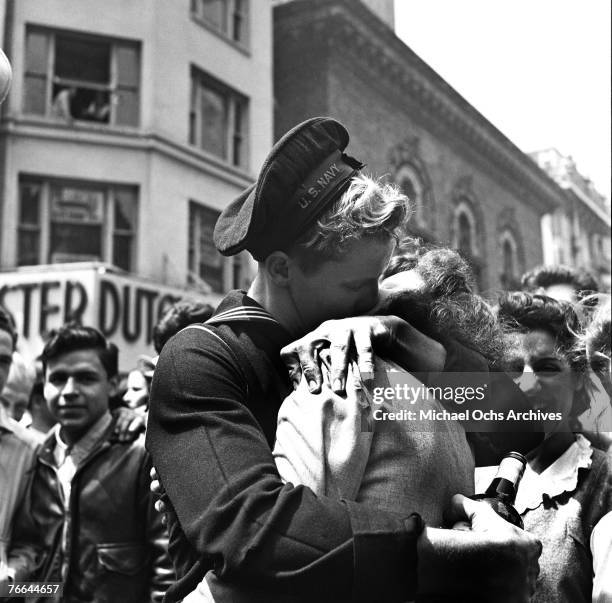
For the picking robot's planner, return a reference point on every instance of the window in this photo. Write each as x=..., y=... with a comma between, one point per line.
x=510, y=261
x=124, y=226
x=239, y=273
x=466, y=238
x=72, y=222
x=464, y=234
x=28, y=252
x=466, y=229
x=411, y=186
x=204, y=261
x=205, y=264
x=218, y=119
x=229, y=17
x=75, y=77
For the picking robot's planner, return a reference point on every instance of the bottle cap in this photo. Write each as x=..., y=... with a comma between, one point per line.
x=512, y=467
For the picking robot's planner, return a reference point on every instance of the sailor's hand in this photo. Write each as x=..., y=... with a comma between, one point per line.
x=487, y=559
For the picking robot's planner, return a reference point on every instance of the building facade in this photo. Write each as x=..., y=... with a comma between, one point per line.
x=577, y=234
x=128, y=128
x=472, y=188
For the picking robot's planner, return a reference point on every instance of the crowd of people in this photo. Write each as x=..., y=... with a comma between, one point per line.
x=242, y=460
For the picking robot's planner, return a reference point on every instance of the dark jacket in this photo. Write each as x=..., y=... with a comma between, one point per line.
x=116, y=546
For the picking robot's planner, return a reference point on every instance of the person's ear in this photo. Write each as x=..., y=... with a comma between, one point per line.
x=113, y=383
x=277, y=266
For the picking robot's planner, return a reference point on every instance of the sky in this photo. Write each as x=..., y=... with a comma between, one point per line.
x=539, y=70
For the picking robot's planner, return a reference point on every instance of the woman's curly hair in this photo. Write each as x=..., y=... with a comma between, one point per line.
x=519, y=311
x=446, y=306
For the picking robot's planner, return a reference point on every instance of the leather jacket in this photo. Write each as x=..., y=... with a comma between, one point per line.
x=114, y=545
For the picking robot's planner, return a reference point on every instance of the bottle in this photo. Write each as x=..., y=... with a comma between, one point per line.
x=500, y=496
x=501, y=493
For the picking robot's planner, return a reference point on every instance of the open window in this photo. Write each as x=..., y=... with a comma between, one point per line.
x=73, y=77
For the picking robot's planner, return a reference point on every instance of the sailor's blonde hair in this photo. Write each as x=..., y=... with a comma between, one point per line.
x=368, y=208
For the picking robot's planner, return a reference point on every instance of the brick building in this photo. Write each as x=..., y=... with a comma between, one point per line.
x=473, y=188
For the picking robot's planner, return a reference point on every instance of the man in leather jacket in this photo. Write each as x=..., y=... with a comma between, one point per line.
x=89, y=514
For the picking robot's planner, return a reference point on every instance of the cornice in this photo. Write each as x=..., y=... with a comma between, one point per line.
x=129, y=139
x=598, y=219
x=349, y=29
x=588, y=203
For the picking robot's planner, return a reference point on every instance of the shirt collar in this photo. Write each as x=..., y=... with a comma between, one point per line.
x=59, y=443
x=559, y=477
x=84, y=445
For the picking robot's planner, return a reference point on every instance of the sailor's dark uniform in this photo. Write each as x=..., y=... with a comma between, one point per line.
x=214, y=401
x=210, y=431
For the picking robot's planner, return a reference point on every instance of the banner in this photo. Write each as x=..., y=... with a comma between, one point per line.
x=123, y=307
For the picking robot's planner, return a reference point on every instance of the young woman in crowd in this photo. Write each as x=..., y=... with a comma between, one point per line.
x=565, y=497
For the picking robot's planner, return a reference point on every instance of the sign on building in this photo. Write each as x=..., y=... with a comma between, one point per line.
x=123, y=307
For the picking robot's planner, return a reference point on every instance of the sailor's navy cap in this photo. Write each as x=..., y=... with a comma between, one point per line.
x=304, y=173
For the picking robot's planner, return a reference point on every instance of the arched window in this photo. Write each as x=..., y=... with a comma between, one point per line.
x=412, y=186
x=467, y=228
x=465, y=235
x=509, y=262
x=465, y=239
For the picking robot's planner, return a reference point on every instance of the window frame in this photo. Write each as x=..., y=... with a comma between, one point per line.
x=408, y=172
x=113, y=88
x=108, y=231
x=235, y=103
x=233, y=11
x=196, y=213
x=235, y=270
x=463, y=208
x=508, y=239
